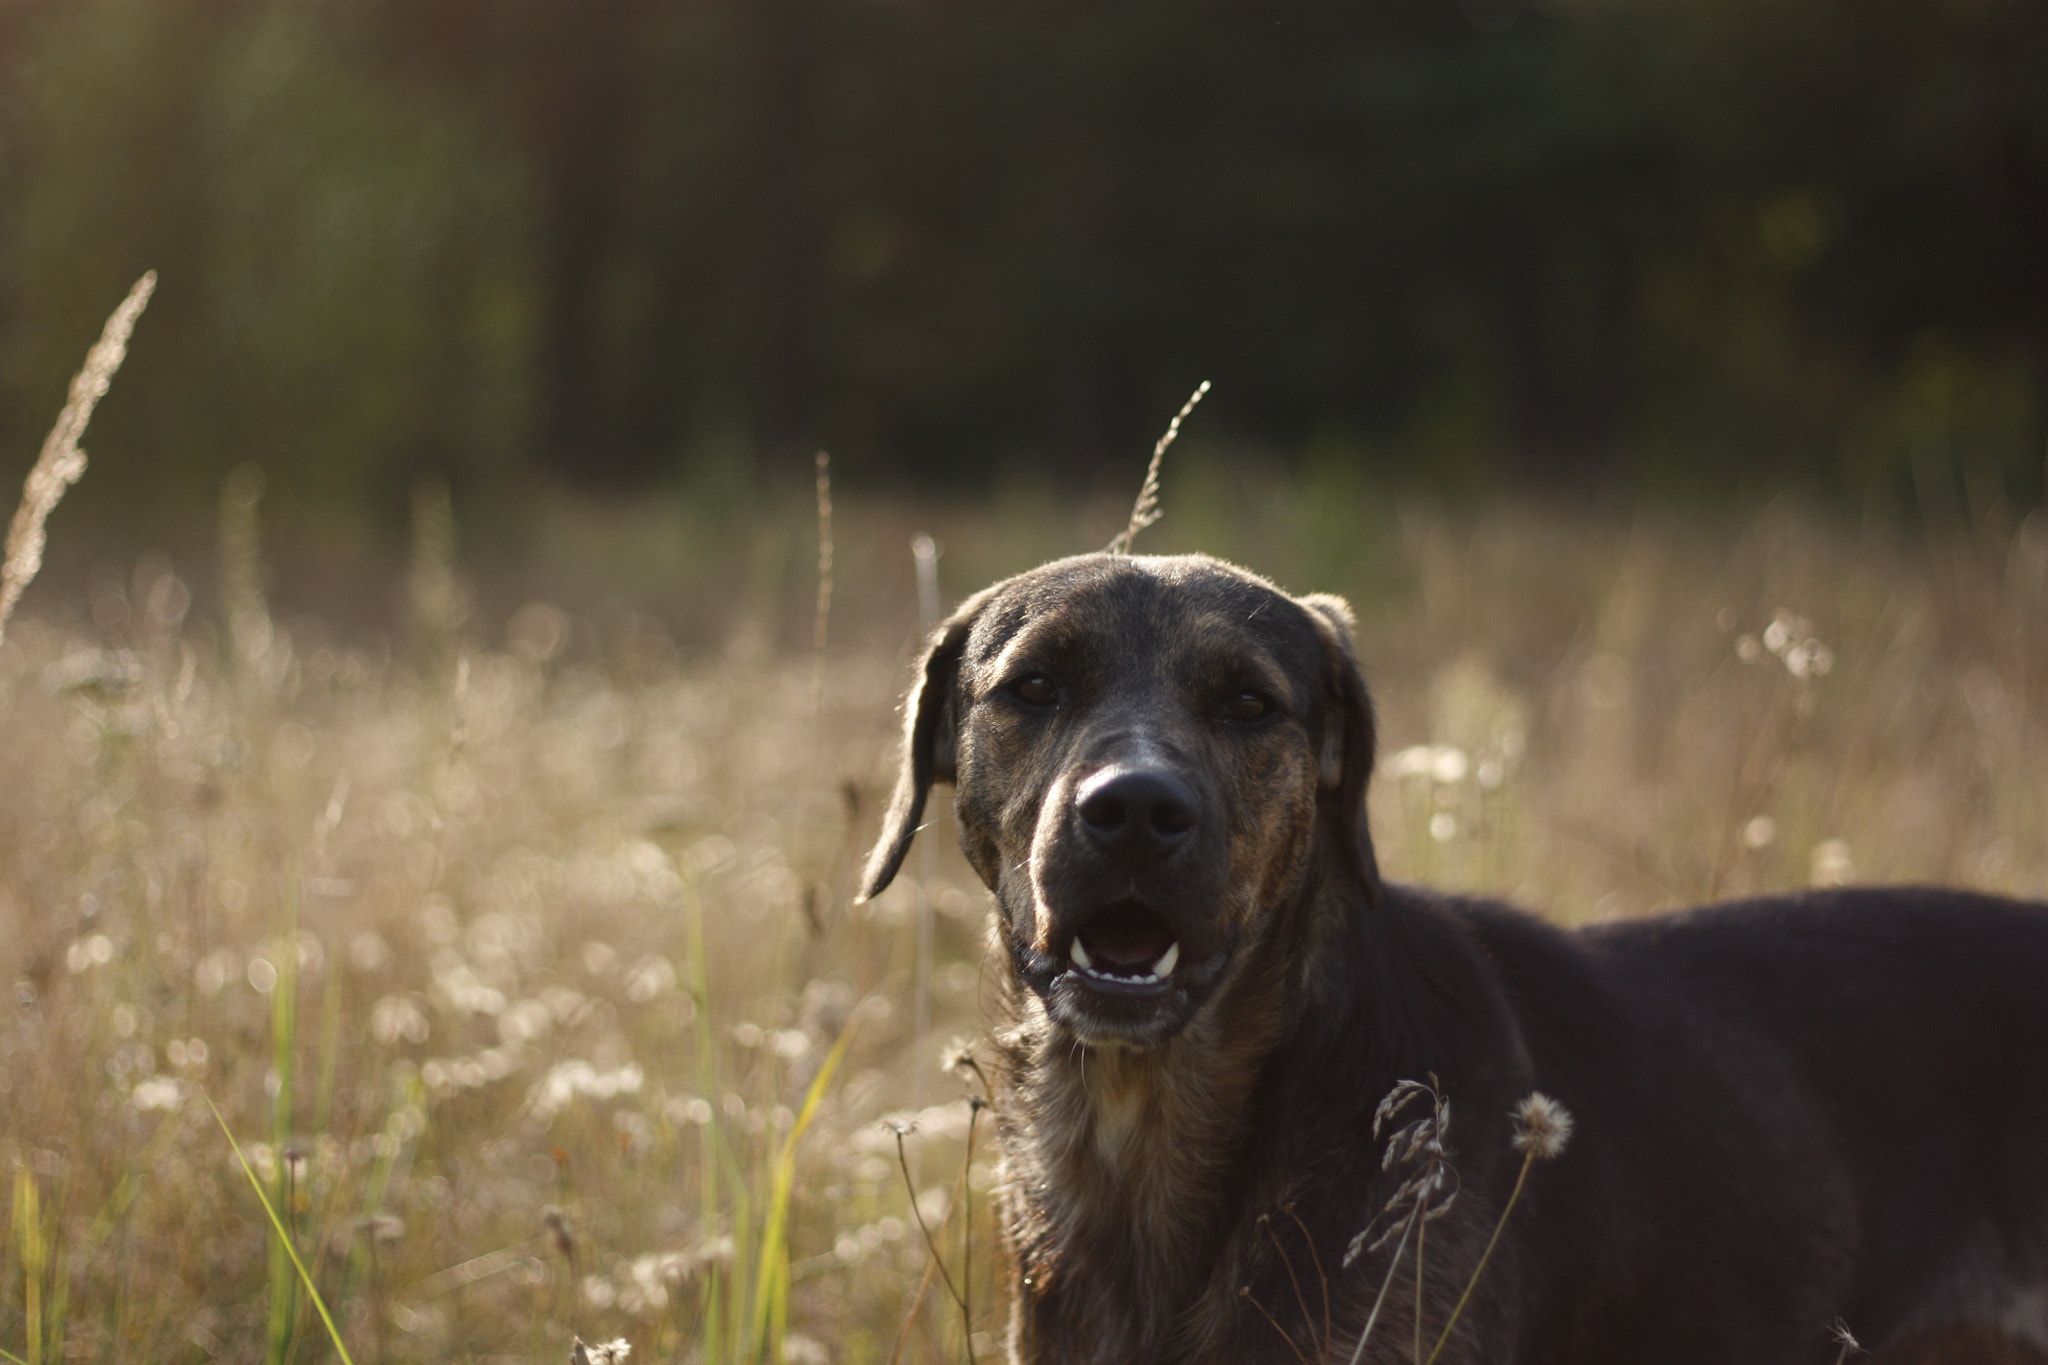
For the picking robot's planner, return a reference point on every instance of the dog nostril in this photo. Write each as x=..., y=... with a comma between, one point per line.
x=1148, y=807
x=1103, y=813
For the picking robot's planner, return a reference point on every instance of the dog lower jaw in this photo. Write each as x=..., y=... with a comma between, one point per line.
x=1102, y=1010
x=1125, y=1019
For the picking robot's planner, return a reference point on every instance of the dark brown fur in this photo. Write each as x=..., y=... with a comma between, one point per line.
x=1788, y=1110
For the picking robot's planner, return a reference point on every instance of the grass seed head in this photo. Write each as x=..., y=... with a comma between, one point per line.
x=62, y=462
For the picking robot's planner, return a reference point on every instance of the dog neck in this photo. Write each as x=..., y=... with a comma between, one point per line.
x=1119, y=1164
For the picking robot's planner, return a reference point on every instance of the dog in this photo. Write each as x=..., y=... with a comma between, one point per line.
x=1787, y=1114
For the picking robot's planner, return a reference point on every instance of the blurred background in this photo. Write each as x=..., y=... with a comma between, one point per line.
x=642, y=254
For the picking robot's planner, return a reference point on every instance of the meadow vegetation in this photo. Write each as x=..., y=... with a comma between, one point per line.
x=518, y=951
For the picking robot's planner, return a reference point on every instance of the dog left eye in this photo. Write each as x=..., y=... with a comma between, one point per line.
x=1247, y=706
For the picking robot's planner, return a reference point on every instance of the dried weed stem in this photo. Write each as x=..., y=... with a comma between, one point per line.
x=917, y=1216
x=1425, y=1196
x=824, y=611
x=1542, y=1128
x=1146, y=511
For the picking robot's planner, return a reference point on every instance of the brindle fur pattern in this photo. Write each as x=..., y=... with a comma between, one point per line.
x=1788, y=1110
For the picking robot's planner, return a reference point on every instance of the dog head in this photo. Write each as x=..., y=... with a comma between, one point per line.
x=1152, y=757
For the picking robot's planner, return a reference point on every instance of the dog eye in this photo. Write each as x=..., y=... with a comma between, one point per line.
x=1036, y=690
x=1247, y=706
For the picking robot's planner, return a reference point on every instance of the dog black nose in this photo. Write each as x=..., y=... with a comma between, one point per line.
x=1136, y=810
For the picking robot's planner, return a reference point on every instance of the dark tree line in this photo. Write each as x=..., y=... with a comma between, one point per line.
x=623, y=241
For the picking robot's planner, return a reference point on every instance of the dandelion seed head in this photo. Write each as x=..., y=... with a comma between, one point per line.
x=798, y=1349
x=611, y=1352
x=1830, y=863
x=1542, y=1126
x=158, y=1092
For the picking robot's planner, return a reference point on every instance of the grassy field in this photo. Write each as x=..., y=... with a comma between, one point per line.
x=517, y=951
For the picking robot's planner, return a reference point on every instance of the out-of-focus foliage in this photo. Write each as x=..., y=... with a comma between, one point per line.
x=348, y=244
x=1698, y=241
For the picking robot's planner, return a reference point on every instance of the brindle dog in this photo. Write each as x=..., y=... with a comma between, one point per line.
x=1788, y=1110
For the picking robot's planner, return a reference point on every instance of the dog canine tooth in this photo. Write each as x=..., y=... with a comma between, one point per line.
x=1080, y=956
x=1167, y=960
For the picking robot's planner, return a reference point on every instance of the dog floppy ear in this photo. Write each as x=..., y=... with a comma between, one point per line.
x=1345, y=762
x=928, y=725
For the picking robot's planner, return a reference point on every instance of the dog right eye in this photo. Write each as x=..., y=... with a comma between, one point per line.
x=1036, y=690
x=1247, y=706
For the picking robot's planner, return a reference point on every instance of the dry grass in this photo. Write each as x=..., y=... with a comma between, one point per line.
x=511, y=958
x=485, y=962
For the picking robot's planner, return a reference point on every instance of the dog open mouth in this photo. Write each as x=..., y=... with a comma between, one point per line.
x=1126, y=948
x=1125, y=977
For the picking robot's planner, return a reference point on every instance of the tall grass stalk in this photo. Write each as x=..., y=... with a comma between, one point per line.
x=709, y=1155
x=823, y=615
x=59, y=1314
x=1485, y=1257
x=240, y=529
x=924, y=556
x=734, y=1310
x=771, y=1277
x=1379, y=1302
x=277, y=1226
x=283, y=1320
x=34, y=1243
x=962, y=1200
x=931, y=1242
x=61, y=461
x=966, y=1202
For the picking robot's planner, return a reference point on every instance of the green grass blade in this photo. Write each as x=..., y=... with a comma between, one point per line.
x=771, y=1277
x=28, y=1226
x=277, y=1225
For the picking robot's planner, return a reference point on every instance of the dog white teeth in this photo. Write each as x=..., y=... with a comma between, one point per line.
x=1164, y=966
x=1080, y=956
